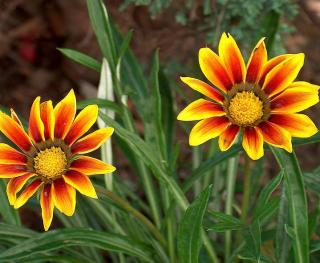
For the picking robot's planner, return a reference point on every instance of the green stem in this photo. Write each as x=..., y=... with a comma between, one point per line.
x=140, y=217
x=231, y=179
x=196, y=159
x=246, y=188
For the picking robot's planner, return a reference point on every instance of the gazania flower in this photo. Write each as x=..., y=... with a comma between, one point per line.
x=260, y=99
x=51, y=157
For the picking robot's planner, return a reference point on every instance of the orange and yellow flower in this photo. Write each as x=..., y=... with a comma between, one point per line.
x=51, y=157
x=260, y=99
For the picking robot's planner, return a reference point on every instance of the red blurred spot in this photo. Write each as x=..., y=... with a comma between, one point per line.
x=27, y=49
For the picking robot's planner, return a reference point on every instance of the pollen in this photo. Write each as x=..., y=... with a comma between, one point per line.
x=245, y=108
x=50, y=163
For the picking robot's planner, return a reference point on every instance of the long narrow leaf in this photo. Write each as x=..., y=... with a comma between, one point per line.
x=189, y=234
x=298, y=212
x=58, y=239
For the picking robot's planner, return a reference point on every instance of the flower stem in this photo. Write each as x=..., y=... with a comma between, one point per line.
x=246, y=189
x=135, y=213
x=231, y=179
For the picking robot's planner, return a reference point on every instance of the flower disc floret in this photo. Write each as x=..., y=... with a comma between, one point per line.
x=245, y=108
x=50, y=163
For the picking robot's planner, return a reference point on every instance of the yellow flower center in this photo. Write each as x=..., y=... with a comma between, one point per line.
x=245, y=108
x=50, y=163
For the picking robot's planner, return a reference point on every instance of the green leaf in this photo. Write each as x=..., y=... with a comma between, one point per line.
x=282, y=241
x=101, y=103
x=266, y=193
x=8, y=213
x=225, y=222
x=189, y=233
x=59, y=239
x=251, y=249
x=81, y=58
x=209, y=164
x=125, y=44
x=147, y=155
x=298, y=211
x=267, y=210
x=102, y=28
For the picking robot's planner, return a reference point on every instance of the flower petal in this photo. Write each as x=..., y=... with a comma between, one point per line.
x=83, y=122
x=298, y=125
x=252, y=143
x=88, y=166
x=47, y=117
x=232, y=58
x=275, y=135
x=227, y=138
x=298, y=97
x=92, y=141
x=15, y=117
x=9, y=155
x=27, y=193
x=64, y=113
x=203, y=88
x=200, y=109
x=80, y=182
x=272, y=63
x=14, y=132
x=207, y=129
x=15, y=185
x=213, y=68
x=280, y=77
x=64, y=196
x=36, y=128
x=47, y=206
x=256, y=62
x=12, y=170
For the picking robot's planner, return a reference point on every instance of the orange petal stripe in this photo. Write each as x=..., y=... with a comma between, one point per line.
x=213, y=68
x=64, y=113
x=280, y=77
x=83, y=122
x=80, y=182
x=12, y=170
x=14, y=132
x=256, y=62
x=36, y=128
x=203, y=88
x=9, y=155
x=200, y=109
x=298, y=97
x=89, y=166
x=275, y=135
x=232, y=58
x=15, y=185
x=64, y=196
x=298, y=125
x=92, y=141
x=47, y=117
x=227, y=138
x=207, y=129
x=47, y=206
x=27, y=193
x=272, y=63
x=252, y=143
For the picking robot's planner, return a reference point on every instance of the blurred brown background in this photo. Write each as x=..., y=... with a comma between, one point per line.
x=30, y=32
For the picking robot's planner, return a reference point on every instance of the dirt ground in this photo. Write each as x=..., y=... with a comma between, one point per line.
x=30, y=65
